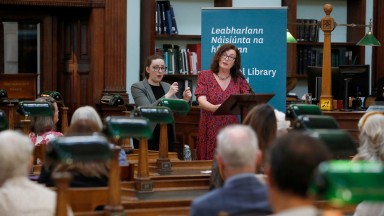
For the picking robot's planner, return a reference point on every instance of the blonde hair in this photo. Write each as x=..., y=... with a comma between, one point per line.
x=87, y=112
x=371, y=137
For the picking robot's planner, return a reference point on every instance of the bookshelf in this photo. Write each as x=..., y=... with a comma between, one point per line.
x=354, y=10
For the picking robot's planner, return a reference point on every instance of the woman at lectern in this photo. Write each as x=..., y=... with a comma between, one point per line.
x=149, y=92
x=214, y=86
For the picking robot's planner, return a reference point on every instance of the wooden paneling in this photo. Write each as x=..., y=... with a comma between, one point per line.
x=66, y=3
x=378, y=52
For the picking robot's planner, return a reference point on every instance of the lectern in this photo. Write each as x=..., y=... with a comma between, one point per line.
x=238, y=104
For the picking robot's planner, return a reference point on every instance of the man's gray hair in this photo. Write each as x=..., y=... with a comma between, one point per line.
x=237, y=145
x=15, y=154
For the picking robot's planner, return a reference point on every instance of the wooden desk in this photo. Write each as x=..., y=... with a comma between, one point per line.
x=187, y=126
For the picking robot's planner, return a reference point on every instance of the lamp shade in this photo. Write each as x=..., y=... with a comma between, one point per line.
x=178, y=106
x=369, y=40
x=156, y=114
x=339, y=142
x=34, y=108
x=294, y=110
x=315, y=122
x=112, y=100
x=3, y=94
x=79, y=148
x=54, y=94
x=290, y=38
x=344, y=182
x=3, y=121
x=124, y=126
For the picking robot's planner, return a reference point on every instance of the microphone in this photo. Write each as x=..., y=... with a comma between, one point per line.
x=250, y=88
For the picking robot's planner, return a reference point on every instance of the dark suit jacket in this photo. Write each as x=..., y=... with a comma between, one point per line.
x=242, y=193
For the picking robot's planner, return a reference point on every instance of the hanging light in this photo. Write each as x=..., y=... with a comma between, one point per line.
x=369, y=39
x=290, y=38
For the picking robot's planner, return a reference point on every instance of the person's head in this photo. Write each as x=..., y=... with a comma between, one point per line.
x=263, y=121
x=371, y=126
x=154, y=68
x=227, y=57
x=87, y=112
x=42, y=124
x=15, y=155
x=83, y=127
x=237, y=150
x=292, y=159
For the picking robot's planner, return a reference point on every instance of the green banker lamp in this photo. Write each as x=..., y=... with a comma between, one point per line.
x=34, y=108
x=3, y=121
x=294, y=110
x=69, y=149
x=343, y=182
x=54, y=94
x=164, y=116
x=290, y=38
x=138, y=127
x=308, y=122
x=178, y=106
x=123, y=127
x=3, y=94
x=339, y=142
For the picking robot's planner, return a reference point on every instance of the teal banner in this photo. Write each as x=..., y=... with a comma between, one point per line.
x=260, y=35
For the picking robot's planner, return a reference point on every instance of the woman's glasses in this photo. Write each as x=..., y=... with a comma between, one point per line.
x=159, y=69
x=228, y=58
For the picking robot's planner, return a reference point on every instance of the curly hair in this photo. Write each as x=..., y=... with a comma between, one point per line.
x=236, y=69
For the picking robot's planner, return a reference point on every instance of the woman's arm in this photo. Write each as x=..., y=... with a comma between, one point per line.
x=140, y=97
x=204, y=104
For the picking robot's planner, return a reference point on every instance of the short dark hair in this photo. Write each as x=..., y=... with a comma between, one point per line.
x=292, y=158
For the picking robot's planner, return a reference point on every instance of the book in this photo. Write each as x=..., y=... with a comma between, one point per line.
x=197, y=49
x=174, y=25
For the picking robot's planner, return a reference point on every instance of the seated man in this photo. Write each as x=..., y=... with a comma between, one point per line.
x=292, y=160
x=237, y=156
x=19, y=195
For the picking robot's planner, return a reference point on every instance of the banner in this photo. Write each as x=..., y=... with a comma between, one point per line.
x=260, y=35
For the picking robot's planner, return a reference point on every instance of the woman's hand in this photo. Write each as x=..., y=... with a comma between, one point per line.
x=172, y=90
x=187, y=94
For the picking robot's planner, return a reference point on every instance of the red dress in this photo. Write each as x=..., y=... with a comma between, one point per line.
x=210, y=124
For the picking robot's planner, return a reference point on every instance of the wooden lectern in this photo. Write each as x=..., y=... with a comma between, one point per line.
x=239, y=104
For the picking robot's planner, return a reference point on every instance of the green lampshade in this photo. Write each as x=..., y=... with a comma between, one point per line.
x=369, y=40
x=294, y=110
x=315, y=122
x=290, y=38
x=79, y=148
x=54, y=94
x=124, y=126
x=156, y=114
x=339, y=142
x=178, y=106
x=34, y=108
x=3, y=94
x=3, y=121
x=344, y=182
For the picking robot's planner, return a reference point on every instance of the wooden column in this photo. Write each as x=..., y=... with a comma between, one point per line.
x=143, y=182
x=114, y=206
x=378, y=52
x=62, y=180
x=115, y=47
x=327, y=25
x=64, y=119
x=163, y=162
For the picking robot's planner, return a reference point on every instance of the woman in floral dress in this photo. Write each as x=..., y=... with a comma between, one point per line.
x=214, y=86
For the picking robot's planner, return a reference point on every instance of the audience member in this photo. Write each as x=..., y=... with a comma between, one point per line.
x=84, y=174
x=214, y=86
x=371, y=126
x=237, y=157
x=263, y=121
x=43, y=128
x=149, y=92
x=291, y=161
x=89, y=113
x=19, y=195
